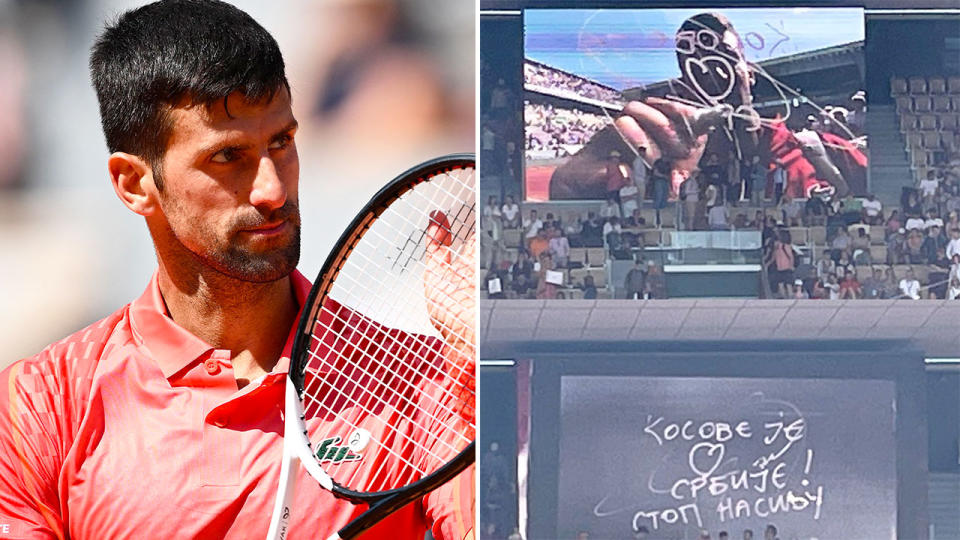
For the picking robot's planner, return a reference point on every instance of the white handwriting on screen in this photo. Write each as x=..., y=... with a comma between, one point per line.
x=732, y=470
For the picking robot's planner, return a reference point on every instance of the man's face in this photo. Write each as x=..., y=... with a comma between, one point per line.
x=230, y=187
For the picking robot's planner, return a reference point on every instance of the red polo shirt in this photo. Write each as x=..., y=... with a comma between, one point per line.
x=134, y=428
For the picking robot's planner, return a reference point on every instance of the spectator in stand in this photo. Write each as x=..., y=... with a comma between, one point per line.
x=521, y=274
x=840, y=244
x=791, y=210
x=770, y=533
x=510, y=213
x=491, y=217
x=589, y=288
x=856, y=118
x=928, y=188
x=953, y=293
x=779, y=179
x=896, y=247
x=756, y=180
x=691, y=198
x=953, y=246
x=592, y=230
x=933, y=243
x=718, y=217
x=850, y=288
x=799, y=293
x=655, y=286
x=873, y=285
x=832, y=287
x=784, y=264
x=893, y=224
x=723, y=535
x=748, y=534
x=909, y=286
x=844, y=265
x=932, y=218
x=872, y=210
x=532, y=225
x=815, y=212
x=825, y=266
x=540, y=243
x=715, y=174
x=560, y=248
x=891, y=285
x=545, y=289
x=913, y=249
x=912, y=208
x=610, y=209
x=953, y=222
x=860, y=245
x=757, y=222
x=660, y=180
x=635, y=281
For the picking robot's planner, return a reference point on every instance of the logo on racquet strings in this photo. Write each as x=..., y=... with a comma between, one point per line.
x=329, y=451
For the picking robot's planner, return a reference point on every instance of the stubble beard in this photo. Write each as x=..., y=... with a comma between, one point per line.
x=237, y=261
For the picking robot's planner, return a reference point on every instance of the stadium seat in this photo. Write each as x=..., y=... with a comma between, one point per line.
x=898, y=86
x=931, y=140
x=511, y=238
x=878, y=253
x=596, y=256
x=917, y=85
x=799, y=235
x=907, y=122
x=904, y=104
x=941, y=103
x=921, y=104
x=937, y=85
x=877, y=235
x=928, y=122
x=918, y=158
x=953, y=85
x=817, y=234
x=914, y=140
x=578, y=255
x=948, y=122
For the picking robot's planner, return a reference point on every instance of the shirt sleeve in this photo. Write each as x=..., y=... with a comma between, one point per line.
x=29, y=453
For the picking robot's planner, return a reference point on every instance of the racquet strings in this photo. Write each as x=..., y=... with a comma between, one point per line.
x=376, y=372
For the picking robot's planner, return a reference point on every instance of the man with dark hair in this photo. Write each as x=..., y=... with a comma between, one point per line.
x=163, y=419
x=770, y=533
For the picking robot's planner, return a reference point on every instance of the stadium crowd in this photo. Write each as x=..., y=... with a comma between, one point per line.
x=566, y=83
x=555, y=131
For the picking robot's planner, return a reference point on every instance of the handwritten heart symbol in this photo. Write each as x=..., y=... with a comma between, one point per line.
x=706, y=453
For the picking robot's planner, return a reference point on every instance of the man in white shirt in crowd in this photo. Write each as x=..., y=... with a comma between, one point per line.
x=532, y=225
x=510, y=213
x=953, y=246
x=928, y=187
x=718, y=217
x=909, y=286
x=610, y=209
x=872, y=207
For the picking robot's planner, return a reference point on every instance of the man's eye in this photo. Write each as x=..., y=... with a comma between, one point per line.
x=226, y=155
x=281, y=143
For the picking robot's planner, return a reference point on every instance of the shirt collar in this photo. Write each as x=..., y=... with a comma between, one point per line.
x=173, y=347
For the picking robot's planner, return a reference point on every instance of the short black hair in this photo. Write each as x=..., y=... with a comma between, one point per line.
x=177, y=53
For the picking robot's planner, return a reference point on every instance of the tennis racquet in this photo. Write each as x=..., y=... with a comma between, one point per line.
x=380, y=399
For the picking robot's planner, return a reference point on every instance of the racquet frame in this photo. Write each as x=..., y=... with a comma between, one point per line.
x=296, y=444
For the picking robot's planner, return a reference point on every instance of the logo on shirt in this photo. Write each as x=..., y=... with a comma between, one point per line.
x=330, y=451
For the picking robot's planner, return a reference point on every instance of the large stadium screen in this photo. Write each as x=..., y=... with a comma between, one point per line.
x=603, y=88
x=815, y=458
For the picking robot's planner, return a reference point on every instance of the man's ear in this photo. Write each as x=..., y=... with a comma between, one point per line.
x=133, y=182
